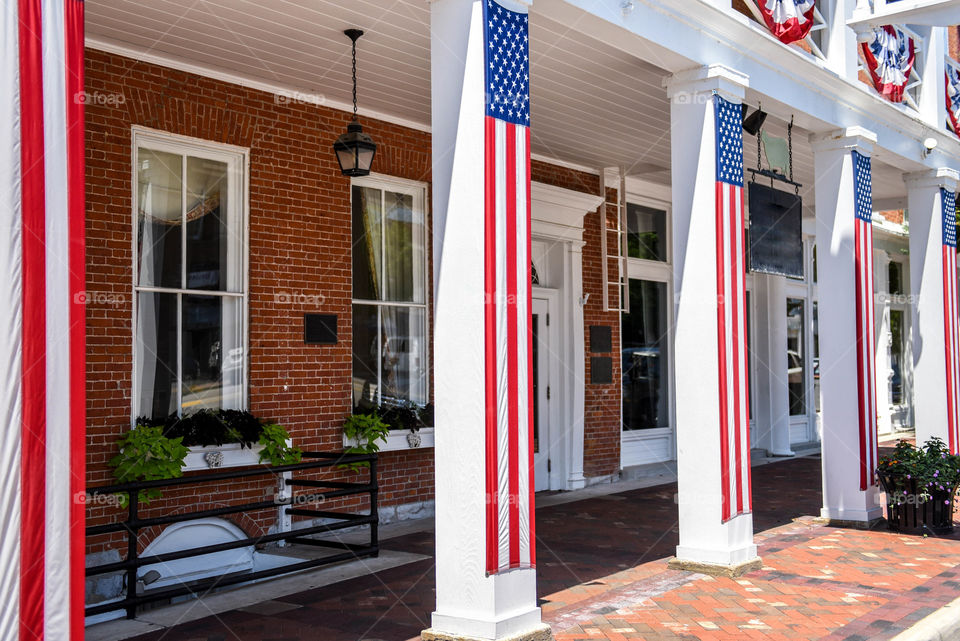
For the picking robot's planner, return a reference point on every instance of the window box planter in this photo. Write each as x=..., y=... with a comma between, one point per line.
x=400, y=440
x=230, y=455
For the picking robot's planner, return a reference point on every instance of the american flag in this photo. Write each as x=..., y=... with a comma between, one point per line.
x=866, y=370
x=508, y=351
x=951, y=335
x=42, y=328
x=731, y=313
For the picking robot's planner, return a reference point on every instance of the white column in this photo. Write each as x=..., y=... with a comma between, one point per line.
x=576, y=389
x=843, y=500
x=841, y=42
x=470, y=604
x=927, y=298
x=773, y=401
x=707, y=542
x=933, y=98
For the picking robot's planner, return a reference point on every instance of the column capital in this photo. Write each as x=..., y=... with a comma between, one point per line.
x=684, y=85
x=854, y=138
x=945, y=177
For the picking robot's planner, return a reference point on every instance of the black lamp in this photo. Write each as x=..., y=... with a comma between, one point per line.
x=355, y=149
x=753, y=123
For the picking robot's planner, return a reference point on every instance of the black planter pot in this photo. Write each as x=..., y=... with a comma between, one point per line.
x=905, y=512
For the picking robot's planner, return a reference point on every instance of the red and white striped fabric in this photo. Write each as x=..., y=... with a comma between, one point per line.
x=866, y=366
x=42, y=323
x=889, y=54
x=951, y=331
x=788, y=20
x=508, y=350
x=731, y=313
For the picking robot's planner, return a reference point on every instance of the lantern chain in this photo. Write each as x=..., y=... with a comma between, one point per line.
x=790, y=152
x=354, y=78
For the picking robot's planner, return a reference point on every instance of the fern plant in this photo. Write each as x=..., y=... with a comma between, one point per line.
x=147, y=455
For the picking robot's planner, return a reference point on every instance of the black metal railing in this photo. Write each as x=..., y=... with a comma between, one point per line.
x=326, y=490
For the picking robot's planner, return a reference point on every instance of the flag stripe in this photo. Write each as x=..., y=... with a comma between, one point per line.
x=490, y=345
x=722, y=347
x=33, y=435
x=10, y=322
x=74, y=38
x=503, y=384
x=531, y=482
x=521, y=265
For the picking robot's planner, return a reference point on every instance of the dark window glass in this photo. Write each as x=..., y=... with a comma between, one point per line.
x=796, y=376
x=646, y=233
x=644, y=357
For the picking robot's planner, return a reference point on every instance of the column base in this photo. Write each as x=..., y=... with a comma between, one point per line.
x=863, y=519
x=540, y=633
x=714, y=569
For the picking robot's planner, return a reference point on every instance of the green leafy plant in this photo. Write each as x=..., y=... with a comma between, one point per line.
x=364, y=430
x=147, y=455
x=273, y=438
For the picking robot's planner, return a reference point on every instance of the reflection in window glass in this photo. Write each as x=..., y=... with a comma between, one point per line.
x=390, y=338
x=212, y=252
x=795, y=367
x=646, y=232
x=157, y=355
x=816, y=356
x=211, y=353
x=159, y=218
x=644, y=357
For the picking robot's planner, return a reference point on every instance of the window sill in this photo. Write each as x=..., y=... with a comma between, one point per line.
x=397, y=440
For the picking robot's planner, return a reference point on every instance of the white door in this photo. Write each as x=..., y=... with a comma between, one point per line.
x=541, y=394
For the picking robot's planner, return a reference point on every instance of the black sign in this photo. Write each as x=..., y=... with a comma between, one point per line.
x=776, y=237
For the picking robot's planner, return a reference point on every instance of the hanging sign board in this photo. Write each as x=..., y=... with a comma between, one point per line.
x=776, y=240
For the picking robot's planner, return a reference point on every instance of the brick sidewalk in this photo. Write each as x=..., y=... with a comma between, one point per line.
x=817, y=582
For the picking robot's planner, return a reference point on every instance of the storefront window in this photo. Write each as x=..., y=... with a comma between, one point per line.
x=895, y=278
x=644, y=357
x=646, y=232
x=390, y=337
x=796, y=377
x=188, y=278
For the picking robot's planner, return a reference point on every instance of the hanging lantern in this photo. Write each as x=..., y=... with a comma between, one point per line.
x=355, y=150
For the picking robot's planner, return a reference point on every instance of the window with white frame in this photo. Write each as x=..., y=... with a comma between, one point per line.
x=390, y=335
x=189, y=275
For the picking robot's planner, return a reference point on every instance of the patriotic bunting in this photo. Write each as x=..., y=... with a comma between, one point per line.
x=731, y=313
x=42, y=403
x=509, y=354
x=866, y=366
x=950, y=317
x=788, y=20
x=889, y=54
x=953, y=98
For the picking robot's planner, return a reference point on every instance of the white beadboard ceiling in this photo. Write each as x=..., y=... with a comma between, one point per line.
x=592, y=104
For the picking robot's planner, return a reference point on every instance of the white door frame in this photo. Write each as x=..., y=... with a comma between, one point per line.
x=555, y=446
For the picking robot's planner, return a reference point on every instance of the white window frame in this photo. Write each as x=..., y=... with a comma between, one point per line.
x=661, y=272
x=238, y=157
x=418, y=190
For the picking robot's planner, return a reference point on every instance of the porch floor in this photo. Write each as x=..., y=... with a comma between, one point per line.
x=602, y=574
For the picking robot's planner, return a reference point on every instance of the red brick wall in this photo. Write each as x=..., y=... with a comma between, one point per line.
x=954, y=33
x=601, y=446
x=299, y=216
x=300, y=237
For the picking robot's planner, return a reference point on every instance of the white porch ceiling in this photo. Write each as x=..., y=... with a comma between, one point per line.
x=592, y=104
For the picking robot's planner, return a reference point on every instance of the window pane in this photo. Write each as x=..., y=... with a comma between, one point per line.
x=896, y=356
x=404, y=257
x=643, y=333
x=646, y=232
x=403, y=361
x=213, y=243
x=156, y=354
x=366, y=352
x=895, y=278
x=367, y=243
x=159, y=218
x=816, y=357
x=795, y=367
x=212, y=353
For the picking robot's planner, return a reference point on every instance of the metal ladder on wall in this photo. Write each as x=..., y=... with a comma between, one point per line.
x=613, y=243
